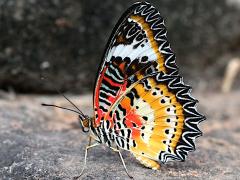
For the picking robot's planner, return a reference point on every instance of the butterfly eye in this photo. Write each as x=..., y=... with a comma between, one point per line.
x=85, y=125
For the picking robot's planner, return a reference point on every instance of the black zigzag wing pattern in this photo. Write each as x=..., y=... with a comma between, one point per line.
x=154, y=19
x=192, y=117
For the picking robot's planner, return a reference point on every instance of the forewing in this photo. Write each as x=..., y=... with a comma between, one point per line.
x=137, y=47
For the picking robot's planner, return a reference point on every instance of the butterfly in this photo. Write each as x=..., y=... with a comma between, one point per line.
x=141, y=103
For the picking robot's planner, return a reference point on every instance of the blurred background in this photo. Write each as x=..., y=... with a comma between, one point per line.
x=64, y=41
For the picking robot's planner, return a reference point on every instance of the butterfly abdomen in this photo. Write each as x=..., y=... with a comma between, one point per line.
x=147, y=162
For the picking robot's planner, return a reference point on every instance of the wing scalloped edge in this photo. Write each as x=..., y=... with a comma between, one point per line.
x=191, y=131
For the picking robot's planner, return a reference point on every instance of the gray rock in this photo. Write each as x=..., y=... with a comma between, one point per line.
x=44, y=143
x=64, y=40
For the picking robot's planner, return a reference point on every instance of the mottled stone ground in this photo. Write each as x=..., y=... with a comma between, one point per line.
x=43, y=143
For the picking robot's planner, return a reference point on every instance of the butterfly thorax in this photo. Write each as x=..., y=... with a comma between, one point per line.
x=103, y=133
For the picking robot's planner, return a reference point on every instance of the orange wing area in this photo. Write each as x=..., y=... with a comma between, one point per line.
x=155, y=119
x=151, y=118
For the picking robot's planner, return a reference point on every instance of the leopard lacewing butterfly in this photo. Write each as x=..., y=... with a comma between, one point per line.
x=140, y=101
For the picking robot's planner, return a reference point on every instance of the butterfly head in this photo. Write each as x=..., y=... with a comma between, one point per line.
x=85, y=122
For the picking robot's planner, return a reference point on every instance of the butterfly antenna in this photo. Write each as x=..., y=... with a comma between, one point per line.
x=70, y=102
x=53, y=105
x=79, y=111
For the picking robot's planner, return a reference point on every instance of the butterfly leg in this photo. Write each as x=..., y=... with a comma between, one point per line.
x=85, y=156
x=124, y=165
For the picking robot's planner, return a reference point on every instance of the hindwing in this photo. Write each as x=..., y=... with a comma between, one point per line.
x=157, y=118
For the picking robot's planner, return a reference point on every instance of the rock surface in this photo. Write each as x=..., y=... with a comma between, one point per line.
x=44, y=143
x=64, y=40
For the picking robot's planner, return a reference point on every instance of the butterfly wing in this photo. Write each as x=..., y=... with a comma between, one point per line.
x=140, y=100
